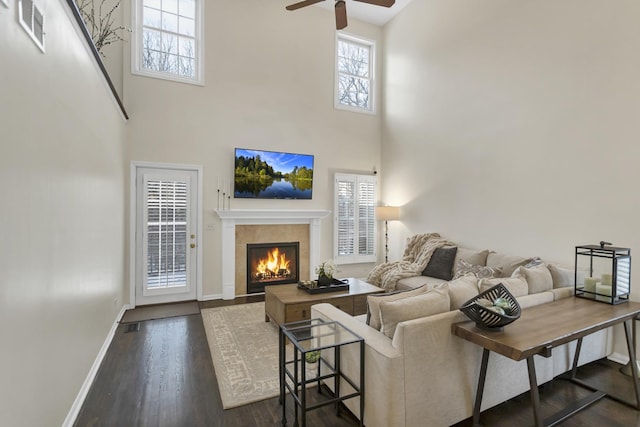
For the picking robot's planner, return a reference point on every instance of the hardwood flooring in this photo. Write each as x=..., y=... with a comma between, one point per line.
x=162, y=375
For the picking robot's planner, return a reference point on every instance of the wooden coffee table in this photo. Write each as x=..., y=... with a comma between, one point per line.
x=542, y=328
x=287, y=303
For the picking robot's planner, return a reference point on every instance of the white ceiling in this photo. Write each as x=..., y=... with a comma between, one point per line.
x=377, y=15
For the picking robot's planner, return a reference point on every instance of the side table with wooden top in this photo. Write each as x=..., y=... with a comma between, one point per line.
x=542, y=328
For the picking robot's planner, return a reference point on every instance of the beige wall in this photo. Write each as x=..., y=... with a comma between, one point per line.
x=513, y=125
x=62, y=163
x=268, y=85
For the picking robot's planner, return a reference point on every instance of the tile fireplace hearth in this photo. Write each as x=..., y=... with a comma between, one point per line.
x=231, y=219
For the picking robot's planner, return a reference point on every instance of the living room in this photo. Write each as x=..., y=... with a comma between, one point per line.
x=498, y=124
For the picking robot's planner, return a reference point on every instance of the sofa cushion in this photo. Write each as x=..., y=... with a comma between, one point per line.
x=428, y=303
x=409, y=283
x=472, y=256
x=440, y=265
x=508, y=263
x=462, y=290
x=479, y=271
x=516, y=284
x=373, y=303
x=538, y=278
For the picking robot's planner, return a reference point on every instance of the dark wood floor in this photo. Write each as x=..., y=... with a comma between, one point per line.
x=162, y=375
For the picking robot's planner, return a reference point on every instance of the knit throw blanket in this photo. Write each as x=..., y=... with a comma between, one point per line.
x=415, y=258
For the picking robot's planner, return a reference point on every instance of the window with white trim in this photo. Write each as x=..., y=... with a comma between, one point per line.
x=355, y=61
x=168, y=39
x=355, y=231
x=31, y=19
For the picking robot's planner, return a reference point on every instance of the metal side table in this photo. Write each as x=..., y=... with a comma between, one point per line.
x=327, y=337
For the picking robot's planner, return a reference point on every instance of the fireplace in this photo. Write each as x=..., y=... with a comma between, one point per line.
x=271, y=264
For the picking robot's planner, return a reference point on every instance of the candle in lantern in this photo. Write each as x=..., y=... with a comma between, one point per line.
x=590, y=284
x=607, y=279
x=604, y=292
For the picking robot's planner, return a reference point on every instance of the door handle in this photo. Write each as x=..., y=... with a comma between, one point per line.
x=193, y=245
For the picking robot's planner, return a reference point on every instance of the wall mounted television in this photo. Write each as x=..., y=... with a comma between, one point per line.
x=264, y=174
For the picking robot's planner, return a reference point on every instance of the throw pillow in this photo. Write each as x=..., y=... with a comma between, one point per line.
x=538, y=278
x=471, y=256
x=534, y=261
x=440, y=265
x=462, y=290
x=480, y=271
x=508, y=263
x=516, y=284
x=431, y=302
x=562, y=277
x=373, y=303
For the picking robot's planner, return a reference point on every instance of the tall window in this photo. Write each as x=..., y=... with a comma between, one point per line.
x=354, y=74
x=354, y=221
x=32, y=20
x=168, y=39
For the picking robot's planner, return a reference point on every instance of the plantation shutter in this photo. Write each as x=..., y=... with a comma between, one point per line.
x=355, y=228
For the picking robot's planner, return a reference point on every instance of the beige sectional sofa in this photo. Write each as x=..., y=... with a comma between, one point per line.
x=420, y=374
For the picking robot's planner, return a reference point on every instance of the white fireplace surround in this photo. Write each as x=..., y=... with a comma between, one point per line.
x=231, y=218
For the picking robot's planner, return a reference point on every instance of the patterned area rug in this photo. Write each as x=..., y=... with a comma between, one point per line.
x=244, y=349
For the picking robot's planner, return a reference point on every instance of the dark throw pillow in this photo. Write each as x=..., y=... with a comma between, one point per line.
x=440, y=265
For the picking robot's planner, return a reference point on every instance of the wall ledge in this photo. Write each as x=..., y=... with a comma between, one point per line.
x=73, y=8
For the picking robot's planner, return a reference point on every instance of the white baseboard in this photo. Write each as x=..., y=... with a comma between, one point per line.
x=86, y=386
x=620, y=358
x=210, y=297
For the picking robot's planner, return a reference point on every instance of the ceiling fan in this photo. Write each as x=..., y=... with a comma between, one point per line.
x=341, y=8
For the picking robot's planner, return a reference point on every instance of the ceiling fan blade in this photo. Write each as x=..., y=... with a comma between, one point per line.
x=302, y=4
x=341, y=15
x=385, y=3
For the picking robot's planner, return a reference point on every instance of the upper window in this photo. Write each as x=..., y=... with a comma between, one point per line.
x=354, y=74
x=32, y=20
x=168, y=39
x=354, y=218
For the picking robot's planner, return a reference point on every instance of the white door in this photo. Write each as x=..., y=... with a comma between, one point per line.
x=166, y=235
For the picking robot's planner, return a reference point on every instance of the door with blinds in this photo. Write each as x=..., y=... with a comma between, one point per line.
x=166, y=235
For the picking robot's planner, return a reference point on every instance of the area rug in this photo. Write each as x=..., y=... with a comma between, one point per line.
x=244, y=349
x=161, y=311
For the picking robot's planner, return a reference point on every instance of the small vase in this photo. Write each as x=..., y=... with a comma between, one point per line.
x=312, y=370
x=324, y=280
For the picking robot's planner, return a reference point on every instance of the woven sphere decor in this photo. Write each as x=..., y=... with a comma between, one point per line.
x=482, y=308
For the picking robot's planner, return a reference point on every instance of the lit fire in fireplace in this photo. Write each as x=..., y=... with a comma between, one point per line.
x=274, y=266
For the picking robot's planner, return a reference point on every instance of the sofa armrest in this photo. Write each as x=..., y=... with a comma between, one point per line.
x=384, y=370
x=374, y=339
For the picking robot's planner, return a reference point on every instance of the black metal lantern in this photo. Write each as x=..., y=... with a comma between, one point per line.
x=603, y=273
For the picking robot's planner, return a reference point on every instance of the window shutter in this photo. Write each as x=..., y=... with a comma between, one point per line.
x=366, y=217
x=355, y=231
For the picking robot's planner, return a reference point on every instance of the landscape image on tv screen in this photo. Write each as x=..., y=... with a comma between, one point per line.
x=272, y=175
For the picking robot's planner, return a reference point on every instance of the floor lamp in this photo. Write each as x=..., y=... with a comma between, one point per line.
x=386, y=214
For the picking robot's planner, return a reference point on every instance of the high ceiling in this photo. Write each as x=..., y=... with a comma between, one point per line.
x=368, y=13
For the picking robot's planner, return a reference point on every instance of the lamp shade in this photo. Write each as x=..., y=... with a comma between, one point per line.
x=387, y=213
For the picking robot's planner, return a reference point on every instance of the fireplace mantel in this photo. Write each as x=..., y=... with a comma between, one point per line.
x=271, y=216
x=231, y=218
